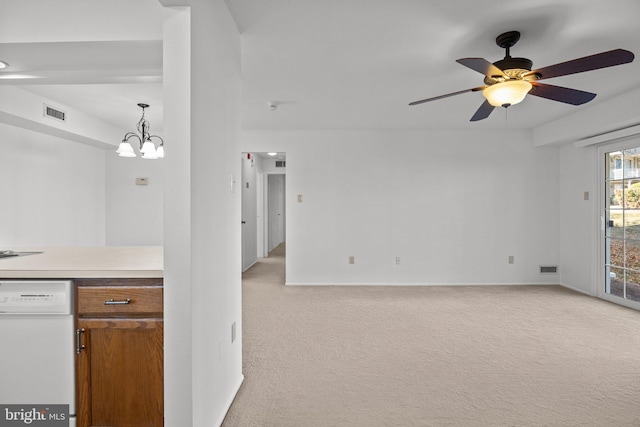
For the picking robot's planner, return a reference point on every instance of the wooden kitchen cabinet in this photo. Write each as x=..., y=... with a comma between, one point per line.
x=120, y=362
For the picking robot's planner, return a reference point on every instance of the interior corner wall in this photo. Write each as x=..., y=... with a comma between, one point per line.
x=134, y=213
x=452, y=205
x=52, y=192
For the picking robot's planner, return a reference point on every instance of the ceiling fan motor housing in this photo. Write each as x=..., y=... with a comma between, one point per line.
x=512, y=67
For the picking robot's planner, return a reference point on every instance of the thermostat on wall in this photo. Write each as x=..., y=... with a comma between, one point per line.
x=142, y=181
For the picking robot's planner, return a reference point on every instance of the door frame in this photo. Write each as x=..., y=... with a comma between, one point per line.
x=632, y=141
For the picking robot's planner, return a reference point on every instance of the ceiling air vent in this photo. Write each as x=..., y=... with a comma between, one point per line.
x=54, y=113
x=548, y=269
x=280, y=163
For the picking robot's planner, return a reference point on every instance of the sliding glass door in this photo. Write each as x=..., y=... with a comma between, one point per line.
x=621, y=224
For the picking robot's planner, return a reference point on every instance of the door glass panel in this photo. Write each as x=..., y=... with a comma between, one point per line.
x=615, y=189
x=631, y=224
x=622, y=224
x=630, y=163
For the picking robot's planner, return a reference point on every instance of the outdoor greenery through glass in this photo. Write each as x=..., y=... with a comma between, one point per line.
x=622, y=239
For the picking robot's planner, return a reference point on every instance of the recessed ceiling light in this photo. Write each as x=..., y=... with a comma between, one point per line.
x=3, y=65
x=272, y=154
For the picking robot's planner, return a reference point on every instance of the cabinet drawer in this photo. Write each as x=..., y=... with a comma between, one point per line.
x=101, y=300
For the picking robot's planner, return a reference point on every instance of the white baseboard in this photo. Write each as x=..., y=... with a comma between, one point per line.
x=417, y=284
x=230, y=401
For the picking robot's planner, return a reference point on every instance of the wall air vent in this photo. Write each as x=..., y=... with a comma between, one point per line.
x=54, y=113
x=280, y=163
x=548, y=269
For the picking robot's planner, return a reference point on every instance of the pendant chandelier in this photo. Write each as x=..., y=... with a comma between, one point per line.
x=147, y=147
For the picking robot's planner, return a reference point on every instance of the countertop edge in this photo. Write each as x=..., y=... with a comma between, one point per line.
x=76, y=274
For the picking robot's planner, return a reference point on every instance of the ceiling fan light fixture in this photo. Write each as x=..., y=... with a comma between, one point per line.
x=507, y=93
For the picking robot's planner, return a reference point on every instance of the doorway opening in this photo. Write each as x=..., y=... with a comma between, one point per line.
x=263, y=205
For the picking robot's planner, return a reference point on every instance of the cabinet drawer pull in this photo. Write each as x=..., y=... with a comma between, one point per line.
x=112, y=302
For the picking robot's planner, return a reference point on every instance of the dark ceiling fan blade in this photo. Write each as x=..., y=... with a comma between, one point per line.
x=482, y=112
x=561, y=94
x=587, y=63
x=475, y=89
x=482, y=66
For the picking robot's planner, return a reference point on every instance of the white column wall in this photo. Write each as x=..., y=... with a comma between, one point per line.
x=453, y=205
x=203, y=367
x=215, y=214
x=178, y=366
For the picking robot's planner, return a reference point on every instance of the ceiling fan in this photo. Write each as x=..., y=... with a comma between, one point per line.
x=508, y=81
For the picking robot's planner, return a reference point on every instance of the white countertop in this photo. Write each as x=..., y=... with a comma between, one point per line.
x=84, y=262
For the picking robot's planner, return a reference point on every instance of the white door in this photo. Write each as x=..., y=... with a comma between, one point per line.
x=260, y=224
x=276, y=209
x=621, y=224
x=249, y=212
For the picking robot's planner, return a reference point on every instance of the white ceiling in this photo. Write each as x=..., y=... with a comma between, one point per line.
x=328, y=64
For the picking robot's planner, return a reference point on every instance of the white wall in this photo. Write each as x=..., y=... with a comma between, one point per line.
x=203, y=368
x=452, y=204
x=579, y=221
x=52, y=191
x=134, y=213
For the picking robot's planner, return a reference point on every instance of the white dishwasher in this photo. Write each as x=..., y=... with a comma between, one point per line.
x=37, y=353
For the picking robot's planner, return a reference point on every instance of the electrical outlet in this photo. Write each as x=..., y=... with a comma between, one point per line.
x=511, y=259
x=233, y=331
x=352, y=259
x=397, y=260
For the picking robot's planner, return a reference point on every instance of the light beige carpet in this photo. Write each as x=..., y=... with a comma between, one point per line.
x=433, y=356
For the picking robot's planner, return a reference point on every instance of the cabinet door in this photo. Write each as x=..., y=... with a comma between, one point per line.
x=120, y=382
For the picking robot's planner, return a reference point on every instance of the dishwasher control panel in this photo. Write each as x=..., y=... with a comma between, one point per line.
x=36, y=297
